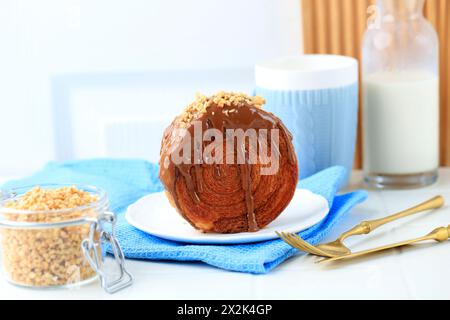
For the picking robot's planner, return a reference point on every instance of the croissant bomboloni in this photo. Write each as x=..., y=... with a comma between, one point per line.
x=227, y=165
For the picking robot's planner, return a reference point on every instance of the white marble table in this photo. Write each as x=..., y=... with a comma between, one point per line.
x=414, y=273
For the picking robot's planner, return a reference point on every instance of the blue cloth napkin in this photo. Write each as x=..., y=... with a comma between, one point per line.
x=128, y=180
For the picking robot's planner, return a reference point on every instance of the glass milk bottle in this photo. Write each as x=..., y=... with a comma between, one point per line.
x=401, y=97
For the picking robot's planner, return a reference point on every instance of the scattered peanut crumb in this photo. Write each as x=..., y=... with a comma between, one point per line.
x=47, y=257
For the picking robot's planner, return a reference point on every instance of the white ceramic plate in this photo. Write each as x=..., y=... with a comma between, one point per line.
x=153, y=214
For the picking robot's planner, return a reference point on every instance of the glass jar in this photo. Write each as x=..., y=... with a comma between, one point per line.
x=59, y=248
x=400, y=72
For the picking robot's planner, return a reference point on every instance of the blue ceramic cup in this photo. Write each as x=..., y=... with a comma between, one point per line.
x=316, y=96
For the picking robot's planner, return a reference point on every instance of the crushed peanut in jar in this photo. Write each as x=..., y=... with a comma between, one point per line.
x=51, y=256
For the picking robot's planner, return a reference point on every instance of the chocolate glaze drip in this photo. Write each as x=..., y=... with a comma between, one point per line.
x=221, y=118
x=217, y=173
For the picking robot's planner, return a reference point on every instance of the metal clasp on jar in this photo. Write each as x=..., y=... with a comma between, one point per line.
x=98, y=236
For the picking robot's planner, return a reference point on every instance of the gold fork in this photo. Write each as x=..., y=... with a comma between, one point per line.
x=337, y=248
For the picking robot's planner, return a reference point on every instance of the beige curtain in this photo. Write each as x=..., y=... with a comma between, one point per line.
x=337, y=27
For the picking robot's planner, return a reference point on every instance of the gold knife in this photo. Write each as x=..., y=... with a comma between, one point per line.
x=440, y=234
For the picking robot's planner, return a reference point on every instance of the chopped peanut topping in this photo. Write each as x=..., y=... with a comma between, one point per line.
x=221, y=99
x=39, y=199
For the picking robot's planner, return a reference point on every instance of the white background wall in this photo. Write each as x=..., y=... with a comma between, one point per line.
x=89, y=78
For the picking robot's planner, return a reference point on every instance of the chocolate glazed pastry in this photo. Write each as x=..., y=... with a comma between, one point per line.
x=220, y=186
